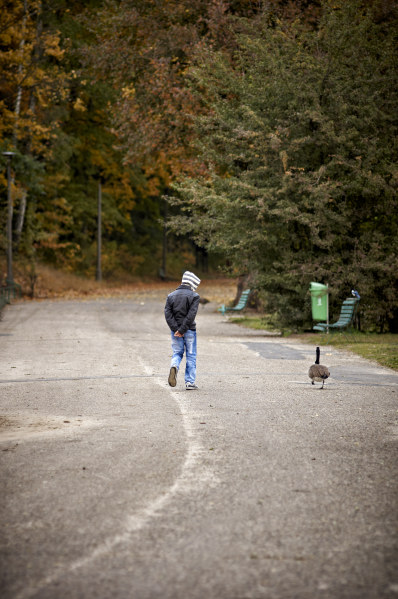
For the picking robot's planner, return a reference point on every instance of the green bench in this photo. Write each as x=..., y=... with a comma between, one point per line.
x=239, y=306
x=346, y=318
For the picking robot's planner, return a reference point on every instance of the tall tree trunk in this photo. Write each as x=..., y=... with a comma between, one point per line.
x=32, y=107
x=17, y=112
x=21, y=217
x=18, y=98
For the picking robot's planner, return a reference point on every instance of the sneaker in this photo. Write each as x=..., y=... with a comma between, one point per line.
x=173, y=376
x=190, y=386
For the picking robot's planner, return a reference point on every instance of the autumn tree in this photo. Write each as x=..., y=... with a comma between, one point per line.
x=31, y=77
x=144, y=49
x=56, y=119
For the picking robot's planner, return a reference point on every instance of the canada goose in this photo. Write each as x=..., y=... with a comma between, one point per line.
x=317, y=372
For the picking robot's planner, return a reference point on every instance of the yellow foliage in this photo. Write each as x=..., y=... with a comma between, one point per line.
x=51, y=45
x=128, y=92
x=24, y=78
x=79, y=105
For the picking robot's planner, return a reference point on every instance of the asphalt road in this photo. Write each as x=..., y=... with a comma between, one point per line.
x=259, y=485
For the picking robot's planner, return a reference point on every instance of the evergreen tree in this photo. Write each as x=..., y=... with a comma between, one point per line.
x=299, y=140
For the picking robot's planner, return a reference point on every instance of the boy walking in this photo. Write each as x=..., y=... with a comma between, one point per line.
x=180, y=312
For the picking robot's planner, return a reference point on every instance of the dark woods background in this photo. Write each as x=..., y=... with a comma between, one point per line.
x=256, y=136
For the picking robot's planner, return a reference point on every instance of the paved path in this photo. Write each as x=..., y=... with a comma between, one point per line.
x=257, y=486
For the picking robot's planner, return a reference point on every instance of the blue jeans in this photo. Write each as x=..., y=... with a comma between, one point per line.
x=187, y=344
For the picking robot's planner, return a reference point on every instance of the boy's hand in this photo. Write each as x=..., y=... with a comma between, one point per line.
x=178, y=334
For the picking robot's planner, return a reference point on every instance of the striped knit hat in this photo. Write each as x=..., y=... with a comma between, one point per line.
x=188, y=278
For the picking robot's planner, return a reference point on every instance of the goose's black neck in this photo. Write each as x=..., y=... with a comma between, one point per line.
x=318, y=353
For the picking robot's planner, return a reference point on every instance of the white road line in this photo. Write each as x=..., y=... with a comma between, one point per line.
x=193, y=475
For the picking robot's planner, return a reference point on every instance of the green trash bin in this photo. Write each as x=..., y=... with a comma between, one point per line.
x=319, y=301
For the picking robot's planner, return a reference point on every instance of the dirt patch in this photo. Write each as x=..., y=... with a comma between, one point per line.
x=220, y=290
x=56, y=284
x=24, y=427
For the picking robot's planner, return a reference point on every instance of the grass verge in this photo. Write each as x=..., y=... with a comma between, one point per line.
x=256, y=322
x=381, y=348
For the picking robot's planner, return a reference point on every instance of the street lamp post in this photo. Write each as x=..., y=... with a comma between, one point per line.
x=99, y=232
x=164, y=260
x=10, y=277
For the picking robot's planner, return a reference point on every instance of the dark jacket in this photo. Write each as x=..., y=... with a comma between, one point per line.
x=181, y=308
